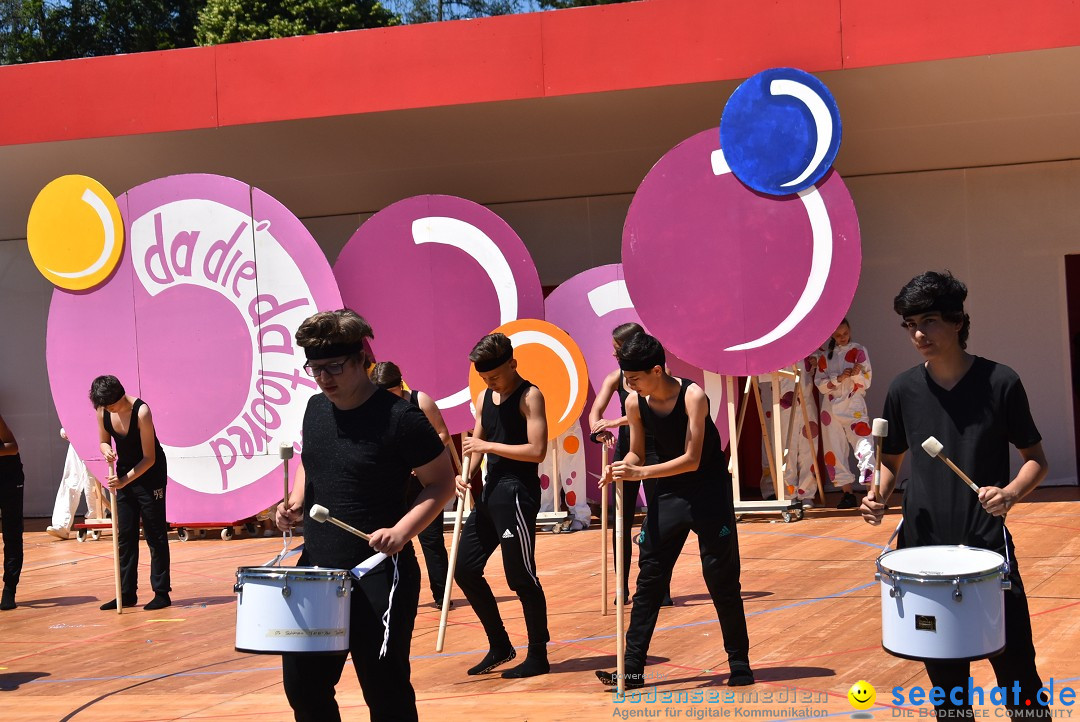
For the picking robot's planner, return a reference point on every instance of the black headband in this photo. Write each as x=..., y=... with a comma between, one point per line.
x=639, y=365
x=333, y=350
x=483, y=367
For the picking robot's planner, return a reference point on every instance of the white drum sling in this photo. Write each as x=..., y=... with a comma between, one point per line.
x=942, y=602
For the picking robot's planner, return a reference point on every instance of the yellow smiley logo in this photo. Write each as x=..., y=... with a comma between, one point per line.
x=75, y=233
x=862, y=695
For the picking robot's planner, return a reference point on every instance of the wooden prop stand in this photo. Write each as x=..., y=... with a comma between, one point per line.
x=765, y=435
x=734, y=431
x=778, y=441
x=455, y=540
x=556, y=479
x=809, y=435
x=603, y=531
x=620, y=593
x=115, y=543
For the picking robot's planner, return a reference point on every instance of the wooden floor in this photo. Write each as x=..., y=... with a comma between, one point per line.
x=811, y=602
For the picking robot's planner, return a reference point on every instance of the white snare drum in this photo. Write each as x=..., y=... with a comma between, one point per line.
x=292, y=609
x=942, y=602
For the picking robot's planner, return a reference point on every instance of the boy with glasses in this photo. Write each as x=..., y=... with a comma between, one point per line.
x=361, y=444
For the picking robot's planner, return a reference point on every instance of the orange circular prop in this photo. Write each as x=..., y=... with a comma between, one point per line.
x=549, y=358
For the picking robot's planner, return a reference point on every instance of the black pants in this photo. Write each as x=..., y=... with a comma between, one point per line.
x=11, y=511
x=310, y=678
x=134, y=502
x=433, y=545
x=505, y=518
x=672, y=516
x=1015, y=664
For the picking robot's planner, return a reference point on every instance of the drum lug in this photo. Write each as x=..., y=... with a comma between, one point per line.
x=895, y=591
x=1006, y=583
x=956, y=593
x=237, y=588
x=877, y=576
x=285, y=591
x=341, y=590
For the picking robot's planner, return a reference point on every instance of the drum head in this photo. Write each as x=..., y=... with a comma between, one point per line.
x=941, y=561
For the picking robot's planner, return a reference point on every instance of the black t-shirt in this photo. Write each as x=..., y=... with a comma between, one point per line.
x=669, y=434
x=358, y=464
x=975, y=421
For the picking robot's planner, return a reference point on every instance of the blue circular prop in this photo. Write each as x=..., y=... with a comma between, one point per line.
x=780, y=131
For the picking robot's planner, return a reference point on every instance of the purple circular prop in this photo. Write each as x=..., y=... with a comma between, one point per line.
x=198, y=320
x=731, y=281
x=433, y=275
x=588, y=306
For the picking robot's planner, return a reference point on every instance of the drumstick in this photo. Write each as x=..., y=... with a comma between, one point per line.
x=285, y=451
x=115, y=543
x=603, y=531
x=459, y=517
x=933, y=447
x=620, y=599
x=321, y=514
x=880, y=431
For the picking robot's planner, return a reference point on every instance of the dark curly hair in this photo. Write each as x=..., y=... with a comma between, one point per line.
x=934, y=291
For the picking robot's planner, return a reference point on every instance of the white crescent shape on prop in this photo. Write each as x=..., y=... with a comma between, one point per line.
x=822, y=121
x=612, y=296
x=820, y=260
x=94, y=201
x=521, y=338
x=467, y=237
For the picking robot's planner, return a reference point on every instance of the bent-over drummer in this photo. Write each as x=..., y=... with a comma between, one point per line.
x=361, y=444
x=976, y=408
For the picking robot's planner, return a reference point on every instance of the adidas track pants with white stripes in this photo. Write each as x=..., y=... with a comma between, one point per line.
x=504, y=518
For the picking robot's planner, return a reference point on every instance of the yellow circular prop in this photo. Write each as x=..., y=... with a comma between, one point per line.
x=75, y=232
x=549, y=358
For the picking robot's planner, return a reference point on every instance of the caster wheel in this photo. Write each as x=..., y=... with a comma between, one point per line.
x=799, y=514
x=786, y=516
x=202, y=533
x=182, y=534
x=81, y=535
x=227, y=533
x=556, y=529
x=95, y=534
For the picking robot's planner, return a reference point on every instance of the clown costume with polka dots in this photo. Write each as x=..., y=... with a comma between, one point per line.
x=843, y=377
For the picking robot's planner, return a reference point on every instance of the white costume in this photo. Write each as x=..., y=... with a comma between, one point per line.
x=800, y=481
x=75, y=482
x=844, y=420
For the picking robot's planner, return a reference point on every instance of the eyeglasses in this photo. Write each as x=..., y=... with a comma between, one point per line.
x=332, y=368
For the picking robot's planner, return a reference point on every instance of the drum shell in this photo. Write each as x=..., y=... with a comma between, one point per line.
x=940, y=616
x=312, y=617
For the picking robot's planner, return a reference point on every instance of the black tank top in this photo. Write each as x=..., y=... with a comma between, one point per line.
x=413, y=398
x=504, y=424
x=623, y=447
x=669, y=433
x=129, y=450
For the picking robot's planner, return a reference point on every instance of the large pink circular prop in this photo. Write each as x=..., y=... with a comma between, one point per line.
x=731, y=281
x=433, y=275
x=198, y=320
x=588, y=306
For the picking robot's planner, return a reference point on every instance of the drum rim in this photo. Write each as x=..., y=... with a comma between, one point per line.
x=291, y=573
x=975, y=658
x=1001, y=570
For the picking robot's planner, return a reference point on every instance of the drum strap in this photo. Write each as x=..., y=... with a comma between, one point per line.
x=894, y=534
x=389, y=606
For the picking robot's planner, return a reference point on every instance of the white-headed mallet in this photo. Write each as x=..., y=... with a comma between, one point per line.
x=321, y=514
x=933, y=447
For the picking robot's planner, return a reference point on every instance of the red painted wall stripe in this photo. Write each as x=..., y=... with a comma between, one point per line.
x=585, y=50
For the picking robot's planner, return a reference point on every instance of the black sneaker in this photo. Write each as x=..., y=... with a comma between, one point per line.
x=847, y=501
x=7, y=600
x=438, y=604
